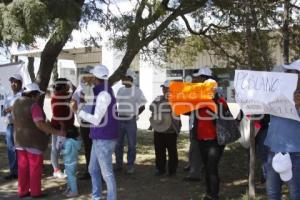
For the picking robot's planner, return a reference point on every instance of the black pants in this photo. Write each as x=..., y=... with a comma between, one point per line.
x=211, y=153
x=87, y=143
x=163, y=142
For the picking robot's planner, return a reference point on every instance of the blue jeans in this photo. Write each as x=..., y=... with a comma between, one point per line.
x=128, y=128
x=101, y=166
x=274, y=182
x=11, y=150
x=71, y=177
x=54, y=152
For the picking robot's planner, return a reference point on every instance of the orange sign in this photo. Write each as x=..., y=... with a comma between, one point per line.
x=186, y=97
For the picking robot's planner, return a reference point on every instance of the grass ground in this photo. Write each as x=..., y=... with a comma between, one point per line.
x=143, y=185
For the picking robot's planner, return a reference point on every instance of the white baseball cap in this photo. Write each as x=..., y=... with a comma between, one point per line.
x=293, y=66
x=16, y=77
x=130, y=73
x=166, y=84
x=205, y=71
x=282, y=164
x=100, y=71
x=32, y=87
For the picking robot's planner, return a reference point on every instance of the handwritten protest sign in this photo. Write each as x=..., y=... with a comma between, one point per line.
x=186, y=97
x=266, y=93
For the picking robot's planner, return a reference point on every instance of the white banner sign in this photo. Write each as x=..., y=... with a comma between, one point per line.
x=266, y=93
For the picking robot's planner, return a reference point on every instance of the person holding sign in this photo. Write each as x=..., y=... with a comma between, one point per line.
x=195, y=164
x=283, y=139
x=211, y=152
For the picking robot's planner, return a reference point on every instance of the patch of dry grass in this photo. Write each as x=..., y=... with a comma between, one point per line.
x=143, y=185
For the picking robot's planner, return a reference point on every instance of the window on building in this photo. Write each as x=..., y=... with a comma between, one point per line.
x=174, y=73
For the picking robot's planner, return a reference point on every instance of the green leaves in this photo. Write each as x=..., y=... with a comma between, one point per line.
x=23, y=21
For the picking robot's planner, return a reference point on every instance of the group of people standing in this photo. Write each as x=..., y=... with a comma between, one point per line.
x=105, y=120
x=102, y=129
x=278, y=144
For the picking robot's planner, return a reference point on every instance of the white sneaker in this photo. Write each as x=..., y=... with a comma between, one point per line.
x=59, y=174
x=72, y=194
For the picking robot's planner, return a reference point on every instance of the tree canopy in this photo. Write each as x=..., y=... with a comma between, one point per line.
x=244, y=33
x=23, y=21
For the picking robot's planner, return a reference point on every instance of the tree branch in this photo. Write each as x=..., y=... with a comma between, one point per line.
x=178, y=12
x=6, y=2
x=218, y=45
x=133, y=47
x=139, y=12
x=157, y=14
x=294, y=6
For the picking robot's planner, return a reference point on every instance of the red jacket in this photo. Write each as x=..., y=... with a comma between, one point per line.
x=206, y=126
x=61, y=111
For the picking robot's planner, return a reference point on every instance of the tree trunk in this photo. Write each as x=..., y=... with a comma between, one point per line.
x=54, y=71
x=262, y=43
x=249, y=43
x=30, y=68
x=136, y=40
x=285, y=31
x=48, y=58
x=125, y=64
x=52, y=50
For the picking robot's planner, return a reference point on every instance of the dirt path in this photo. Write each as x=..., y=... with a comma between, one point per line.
x=143, y=185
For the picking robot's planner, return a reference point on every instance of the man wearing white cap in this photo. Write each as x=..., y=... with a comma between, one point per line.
x=16, y=86
x=131, y=103
x=283, y=136
x=103, y=132
x=166, y=129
